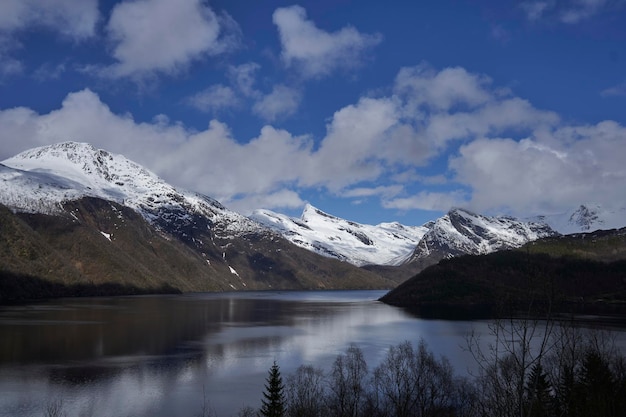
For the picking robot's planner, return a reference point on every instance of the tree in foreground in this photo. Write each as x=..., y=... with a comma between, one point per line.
x=273, y=402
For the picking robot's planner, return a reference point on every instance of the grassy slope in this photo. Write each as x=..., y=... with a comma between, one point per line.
x=578, y=272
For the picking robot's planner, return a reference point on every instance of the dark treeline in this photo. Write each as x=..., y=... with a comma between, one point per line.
x=18, y=288
x=529, y=370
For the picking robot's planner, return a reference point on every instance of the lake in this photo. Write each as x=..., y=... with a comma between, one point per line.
x=161, y=355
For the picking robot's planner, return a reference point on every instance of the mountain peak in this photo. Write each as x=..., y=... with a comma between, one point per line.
x=81, y=161
x=463, y=232
x=311, y=213
x=42, y=179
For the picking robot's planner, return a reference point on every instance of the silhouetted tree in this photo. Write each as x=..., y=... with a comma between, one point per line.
x=305, y=392
x=273, y=402
x=348, y=387
x=539, y=400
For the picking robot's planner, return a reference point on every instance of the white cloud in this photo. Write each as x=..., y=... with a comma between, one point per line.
x=550, y=171
x=49, y=71
x=535, y=9
x=616, y=90
x=441, y=90
x=243, y=78
x=213, y=99
x=208, y=161
x=425, y=200
x=582, y=9
x=9, y=65
x=166, y=36
x=511, y=154
x=282, y=199
x=386, y=191
x=75, y=19
x=283, y=101
x=315, y=52
x=569, y=12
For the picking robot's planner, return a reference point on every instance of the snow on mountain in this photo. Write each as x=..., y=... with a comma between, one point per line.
x=461, y=232
x=585, y=218
x=359, y=244
x=41, y=179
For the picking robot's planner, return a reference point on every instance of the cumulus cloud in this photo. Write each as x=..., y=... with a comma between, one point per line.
x=282, y=101
x=315, y=52
x=166, y=36
x=507, y=154
x=423, y=86
x=547, y=172
x=213, y=99
x=210, y=161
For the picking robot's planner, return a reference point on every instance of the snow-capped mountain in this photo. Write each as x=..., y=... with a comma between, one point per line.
x=107, y=221
x=461, y=232
x=585, y=218
x=358, y=244
x=41, y=179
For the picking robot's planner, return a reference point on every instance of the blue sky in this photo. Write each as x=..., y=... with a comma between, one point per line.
x=372, y=111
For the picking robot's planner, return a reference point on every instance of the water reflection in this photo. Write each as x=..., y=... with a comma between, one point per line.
x=155, y=356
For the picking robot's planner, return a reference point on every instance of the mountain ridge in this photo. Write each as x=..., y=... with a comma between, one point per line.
x=86, y=186
x=109, y=220
x=328, y=235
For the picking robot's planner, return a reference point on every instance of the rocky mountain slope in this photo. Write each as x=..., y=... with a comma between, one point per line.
x=461, y=232
x=102, y=219
x=358, y=244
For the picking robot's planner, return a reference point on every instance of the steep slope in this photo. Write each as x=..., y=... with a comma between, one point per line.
x=461, y=232
x=358, y=244
x=100, y=249
x=111, y=220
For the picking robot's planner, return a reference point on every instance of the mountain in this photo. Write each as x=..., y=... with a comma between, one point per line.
x=461, y=232
x=99, y=219
x=585, y=218
x=578, y=273
x=358, y=244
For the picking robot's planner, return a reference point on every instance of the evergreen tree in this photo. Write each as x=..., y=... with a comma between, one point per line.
x=539, y=400
x=273, y=403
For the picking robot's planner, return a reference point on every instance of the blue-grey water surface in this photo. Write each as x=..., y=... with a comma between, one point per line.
x=161, y=355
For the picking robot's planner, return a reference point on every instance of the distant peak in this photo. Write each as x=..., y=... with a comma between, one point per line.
x=310, y=212
x=460, y=210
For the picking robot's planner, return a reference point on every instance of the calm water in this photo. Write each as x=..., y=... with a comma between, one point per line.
x=158, y=356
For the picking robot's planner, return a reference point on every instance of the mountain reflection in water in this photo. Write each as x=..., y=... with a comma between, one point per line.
x=159, y=355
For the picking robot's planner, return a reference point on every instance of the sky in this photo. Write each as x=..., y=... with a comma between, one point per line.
x=372, y=111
